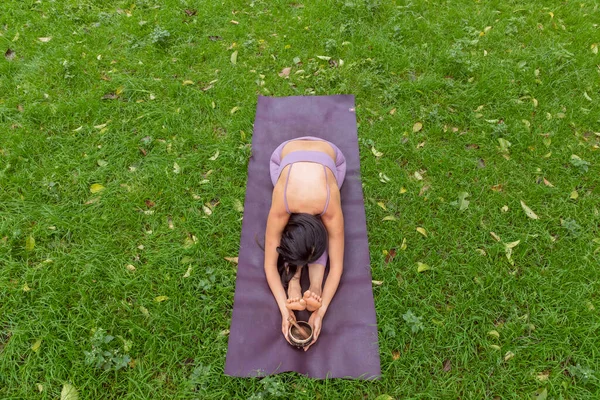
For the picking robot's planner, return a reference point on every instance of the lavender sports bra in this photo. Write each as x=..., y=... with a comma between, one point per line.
x=307, y=156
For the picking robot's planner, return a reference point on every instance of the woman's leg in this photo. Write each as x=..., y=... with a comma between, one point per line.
x=316, y=273
x=295, y=300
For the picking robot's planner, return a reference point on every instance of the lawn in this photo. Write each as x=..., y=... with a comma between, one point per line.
x=125, y=131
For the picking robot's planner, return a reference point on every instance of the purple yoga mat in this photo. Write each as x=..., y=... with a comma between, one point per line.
x=347, y=346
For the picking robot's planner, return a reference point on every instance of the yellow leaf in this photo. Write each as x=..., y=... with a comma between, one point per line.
x=375, y=152
x=185, y=83
x=389, y=218
x=119, y=90
x=234, y=57
x=69, y=392
x=392, y=111
x=234, y=110
x=402, y=190
x=403, y=245
x=207, y=210
x=36, y=346
x=233, y=260
x=188, y=272
x=29, y=243
x=417, y=127
x=176, y=168
x=380, y=204
x=551, y=14
x=234, y=22
x=215, y=156
x=494, y=334
x=130, y=267
x=422, y=267
x=96, y=188
x=377, y=283
x=496, y=237
x=26, y=288
x=45, y=39
x=418, y=176
x=422, y=231
x=495, y=346
x=543, y=376
x=528, y=211
x=160, y=299
x=512, y=244
x=574, y=195
x=508, y=355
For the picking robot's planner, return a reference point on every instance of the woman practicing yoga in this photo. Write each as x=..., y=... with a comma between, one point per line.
x=305, y=226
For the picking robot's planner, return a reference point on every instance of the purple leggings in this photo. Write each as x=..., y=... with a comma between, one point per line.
x=339, y=173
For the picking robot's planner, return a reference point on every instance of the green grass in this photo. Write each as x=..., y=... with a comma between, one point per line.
x=433, y=62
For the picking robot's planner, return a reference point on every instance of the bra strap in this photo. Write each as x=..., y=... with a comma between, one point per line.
x=328, y=190
x=287, y=179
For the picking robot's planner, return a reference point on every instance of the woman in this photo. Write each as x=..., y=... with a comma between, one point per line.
x=305, y=226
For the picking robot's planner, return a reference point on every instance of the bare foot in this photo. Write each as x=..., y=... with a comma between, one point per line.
x=312, y=301
x=295, y=300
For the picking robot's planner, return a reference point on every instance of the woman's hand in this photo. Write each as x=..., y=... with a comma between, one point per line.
x=285, y=325
x=315, y=320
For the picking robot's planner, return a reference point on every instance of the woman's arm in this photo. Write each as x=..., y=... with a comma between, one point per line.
x=276, y=222
x=333, y=220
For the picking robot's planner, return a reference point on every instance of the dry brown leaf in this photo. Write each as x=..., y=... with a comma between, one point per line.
x=498, y=188
x=390, y=255
x=447, y=365
x=547, y=183
x=395, y=355
x=285, y=73
x=233, y=260
x=496, y=237
x=392, y=111
x=9, y=55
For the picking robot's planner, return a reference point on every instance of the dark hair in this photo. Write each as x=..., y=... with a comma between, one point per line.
x=303, y=241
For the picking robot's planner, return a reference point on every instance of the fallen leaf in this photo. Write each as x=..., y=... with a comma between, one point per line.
x=130, y=267
x=384, y=397
x=176, y=168
x=234, y=110
x=447, y=365
x=45, y=39
x=508, y=355
x=390, y=255
x=402, y=190
x=392, y=111
x=215, y=156
x=190, y=13
x=69, y=392
x=504, y=208
x=422, y=267
x=215, y=38
x=26, y=288
x=110, y=96
x=383, y=178
x=481, y=163
x=102, y=163
x=234, y=22
x=207, y=210
x=418, y=176
x=238, y=206
x=403, y=246
x=375, y=152
x=463, y=203
x=144, y=311
x=285, y=72
x=29, y=243
x=495, y=346
x=528, y=211
x=574, y=195
x=149, y=203
x=96, y=188
x=481, y=252
x=382, y=205
x=395, y=355
x=40, y=387
x=540, y=394
x=36, y=346
x=224, y=332
x=424, y=189
x=234, y=56
x=9, y=55
x=504, y=145
x=417, y=127
x=187, y=82
x=188, y=272
x=543, y=376
x=420, y=145
x=377, y=283
x=422, y=231
x=495, y=236
x=494, y=334
x=498, y=188
x=547, y=183
x=233, y=260
x=160, y=299
x=325, y=58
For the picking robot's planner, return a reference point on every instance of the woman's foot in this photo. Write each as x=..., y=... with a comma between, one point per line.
x=295, y=300
x=312, y=301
